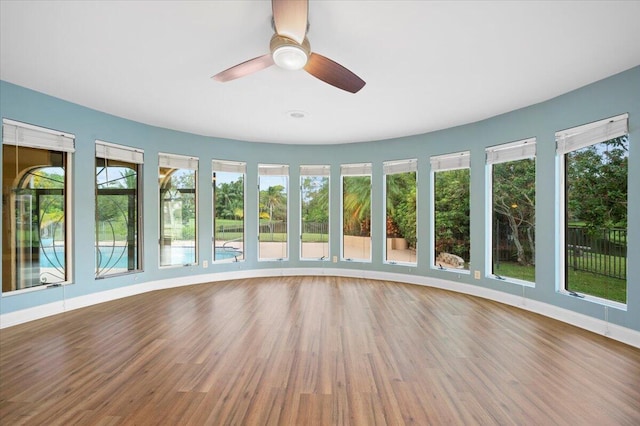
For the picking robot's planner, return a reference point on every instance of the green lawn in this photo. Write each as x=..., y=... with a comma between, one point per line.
x=597, y=285
x=513, y=270
x=579, y=281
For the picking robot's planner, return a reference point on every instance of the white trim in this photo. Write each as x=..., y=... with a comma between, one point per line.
x=595, y=325
x=592, y=133
x=112, y=151
x=27, y=135
x=455, y=161
x=273, y=170
x=356, y=169
x=174, y=161
x=512, y=151
x=228, y=166
x=400, y=166
x=315, y=170
x=37, y=128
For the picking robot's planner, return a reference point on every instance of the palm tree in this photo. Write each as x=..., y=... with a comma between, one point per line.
x=356, y=204
x=271, y=199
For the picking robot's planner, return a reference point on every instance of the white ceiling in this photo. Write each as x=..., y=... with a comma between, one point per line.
x=428, y=65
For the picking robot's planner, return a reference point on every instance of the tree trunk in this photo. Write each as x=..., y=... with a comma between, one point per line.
x=532, y=245
x=516, y=240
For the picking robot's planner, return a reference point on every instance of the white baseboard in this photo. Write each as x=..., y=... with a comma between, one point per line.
x=595, y=325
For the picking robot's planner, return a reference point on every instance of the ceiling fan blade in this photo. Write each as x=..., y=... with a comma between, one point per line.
x=290, y=18
x=245, y=68
x=333, y=73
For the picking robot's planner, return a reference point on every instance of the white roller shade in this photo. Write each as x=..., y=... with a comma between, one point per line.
x=592, y=133
x=27, y=135
x=228, y=166
x=317, y=170
x=355, y=169
x=400, y=166
x=511, y=151
x=112, y=151
x=174, y=161
x=459, y=160
x=273, y=170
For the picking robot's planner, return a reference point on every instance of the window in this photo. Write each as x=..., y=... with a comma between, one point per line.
x=593, y=164
x=513, y=210
x=178, y=209
x=228, y=210
x=273, y=187
x=400, y=195
x=356, y=212
x=314, y=208
x=450, y=195
x=36, y=249
x=118, y=218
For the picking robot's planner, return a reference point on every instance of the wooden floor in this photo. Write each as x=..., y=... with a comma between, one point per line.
x=312, y=350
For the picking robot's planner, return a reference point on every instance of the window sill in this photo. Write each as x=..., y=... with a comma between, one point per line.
x=177, y=266
x=224, y=261
x=594, y=299
x=510, y=280
x=34, y=289
x=394, y=263
x=454, y=270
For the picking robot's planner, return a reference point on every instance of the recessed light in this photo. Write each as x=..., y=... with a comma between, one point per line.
x=296, y=114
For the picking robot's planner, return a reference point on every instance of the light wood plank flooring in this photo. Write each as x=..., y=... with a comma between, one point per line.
x=312, y=350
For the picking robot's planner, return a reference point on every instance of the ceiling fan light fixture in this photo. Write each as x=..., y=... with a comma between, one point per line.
x=290, y=57
x=289, y=54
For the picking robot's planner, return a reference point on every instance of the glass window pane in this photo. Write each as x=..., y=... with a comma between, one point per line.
x=177, y=216
x=400, y=191
x=451, y=219
x=356, y=218
x=228, y=218
x=513, y=220
x=314, y=201
x=596, y=220
x=34, y=247
x=273, y=212
x=117, y=201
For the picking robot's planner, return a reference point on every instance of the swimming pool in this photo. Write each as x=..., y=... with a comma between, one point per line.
x=116, y=257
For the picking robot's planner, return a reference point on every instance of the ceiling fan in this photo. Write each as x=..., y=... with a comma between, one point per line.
x=290, y=50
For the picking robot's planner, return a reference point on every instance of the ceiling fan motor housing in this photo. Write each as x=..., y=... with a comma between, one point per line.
x=288, y=53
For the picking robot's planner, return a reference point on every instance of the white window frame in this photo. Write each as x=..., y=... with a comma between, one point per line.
x=390, y=168
x=112, y=151
x=28, y=135
x=503, y=153
x=347, y=170
x=442, y=163
x=232, y=167
x=275, y=170
x=316, y=171
x=570, y=140
x=177, y=161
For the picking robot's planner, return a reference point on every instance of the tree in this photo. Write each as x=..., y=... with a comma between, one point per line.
x=514, y=195
x=597, y=184
x=273, y=202
x=452, y=212
x=184, y=181
x=229, y=199
x=405, y=216
x=315, y=199
x=356, y=205
x=401, y=206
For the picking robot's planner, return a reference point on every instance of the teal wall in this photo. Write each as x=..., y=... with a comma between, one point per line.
x=612, y=96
